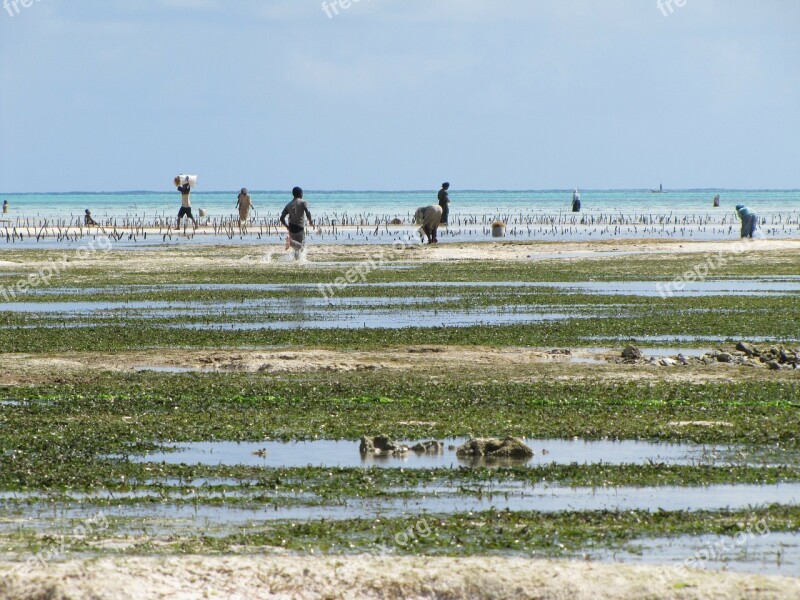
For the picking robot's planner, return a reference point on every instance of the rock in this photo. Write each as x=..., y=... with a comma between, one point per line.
x=724, y=357
x=632, y=353
x=431, y=447
x=561, y=351
x=509, y=447
x=397, y=222
x=682, y=359
x=774, y=365
x=746, y=348
x=381, y=444
x=667, y=362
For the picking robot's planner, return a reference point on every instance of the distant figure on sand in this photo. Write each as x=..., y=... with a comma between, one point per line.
x=716, y=201
x=244, y=203
x=5, y=207
x=87, y=218
x=186, y=203
x=297, y=211
x=749, y=221
x=429, y=217
x=576, y=201
x=444, y=201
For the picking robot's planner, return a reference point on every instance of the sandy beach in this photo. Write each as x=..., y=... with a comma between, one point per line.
x=186, y=578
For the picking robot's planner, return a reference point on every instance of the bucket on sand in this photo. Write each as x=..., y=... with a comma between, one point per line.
x=184, y=179
x=498, y=229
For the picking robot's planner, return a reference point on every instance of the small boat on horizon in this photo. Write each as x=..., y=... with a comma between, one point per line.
x=660, y=189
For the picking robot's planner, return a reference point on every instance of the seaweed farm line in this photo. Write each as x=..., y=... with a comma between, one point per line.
x=379, y=229
x=340, y=454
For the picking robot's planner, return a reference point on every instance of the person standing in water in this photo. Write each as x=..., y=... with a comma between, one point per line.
x=5, y=207
x=244, y=203
x=576, y=201
x=297, y=211
x=186, y=202
x=444, y=201
x=749, y=221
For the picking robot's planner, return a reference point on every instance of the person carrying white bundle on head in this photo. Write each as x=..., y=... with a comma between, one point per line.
x=185, y=183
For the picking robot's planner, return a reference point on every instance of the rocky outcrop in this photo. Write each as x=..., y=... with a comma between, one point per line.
x=632, y=353
x=745, y=354
x=509, y=447
x=381, y=445
x=431, y=447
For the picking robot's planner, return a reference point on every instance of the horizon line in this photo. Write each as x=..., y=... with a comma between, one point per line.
x=410, y=191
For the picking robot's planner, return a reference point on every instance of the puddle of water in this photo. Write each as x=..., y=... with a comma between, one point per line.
x=747, y=286
x=719, y=287
x=389, y=320
x=659, y=352
x=80, y=307
x=328, y=453
x=538, y=497
x=581, y=360
x=775, y=553
x=691, y=338
x=163, y=369
x=272, y=305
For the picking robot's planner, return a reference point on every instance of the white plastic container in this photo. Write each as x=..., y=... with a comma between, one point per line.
x=184, y=179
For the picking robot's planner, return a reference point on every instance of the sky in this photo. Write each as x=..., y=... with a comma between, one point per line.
x=111, y=95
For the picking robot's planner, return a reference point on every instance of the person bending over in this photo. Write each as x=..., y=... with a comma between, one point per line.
x=749, y=221
x=429, y=217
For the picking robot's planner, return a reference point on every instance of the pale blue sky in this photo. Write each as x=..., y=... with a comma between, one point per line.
x=399, y=94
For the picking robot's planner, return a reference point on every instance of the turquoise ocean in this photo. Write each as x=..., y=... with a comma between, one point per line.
x=400, y=204
x=534, y=214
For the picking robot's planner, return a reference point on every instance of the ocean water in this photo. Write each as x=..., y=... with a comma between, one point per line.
x=372, y=205
x=40, y=219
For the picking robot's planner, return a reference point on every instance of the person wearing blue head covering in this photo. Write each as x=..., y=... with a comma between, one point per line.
x=749, y=220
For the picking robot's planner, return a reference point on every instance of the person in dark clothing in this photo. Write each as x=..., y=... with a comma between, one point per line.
x=87, y=218
x=749, y=221
x=444, y=201
x=186, y=204
x=297, y=211
x=576, y=201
